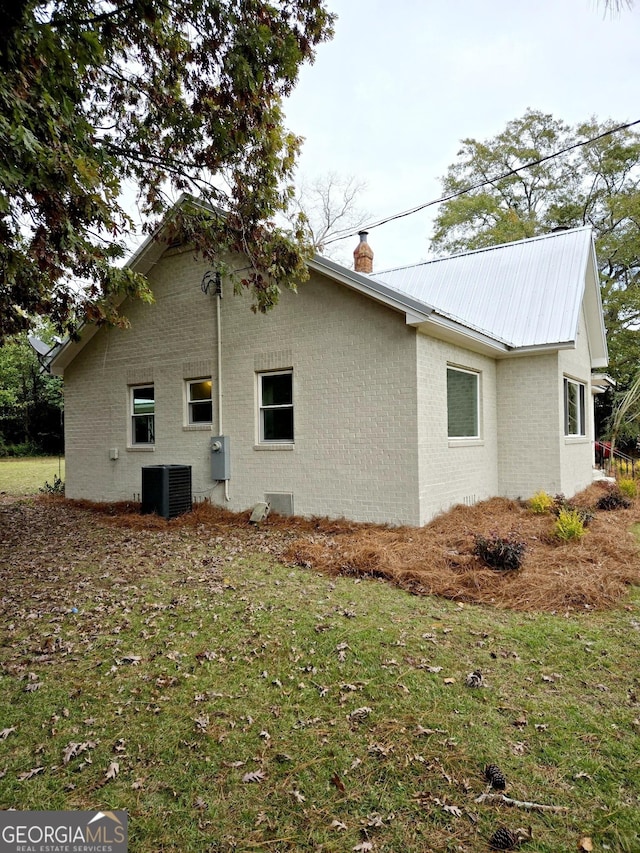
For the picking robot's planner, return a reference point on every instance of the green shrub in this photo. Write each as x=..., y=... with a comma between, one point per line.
x=57, y=488
x=613, y=499
x=628, y=487
x=22, y=449
x=561, y=504
x=541, y=502
x=569, y=525
x=505, y=554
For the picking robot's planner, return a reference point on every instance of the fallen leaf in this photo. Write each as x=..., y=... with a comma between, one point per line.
x=585, y=844
x=422, y=731
x=112, y=770
x=449, y=681
x=359, y=714
x=363, y=846
x=29, y=774
x=337, y=781
x=4, y=734
x=254, y=776
x=73, y=749
x=337, y=824
x=300, y=798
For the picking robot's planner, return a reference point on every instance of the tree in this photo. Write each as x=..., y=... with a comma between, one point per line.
x=168, y=95
x=30, y=401
x=595, y=184
x=328, y=207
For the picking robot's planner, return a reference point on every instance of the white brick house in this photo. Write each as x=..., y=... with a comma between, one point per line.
x=379, y=397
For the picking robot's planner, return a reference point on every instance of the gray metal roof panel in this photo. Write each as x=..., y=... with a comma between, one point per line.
x=525, y=293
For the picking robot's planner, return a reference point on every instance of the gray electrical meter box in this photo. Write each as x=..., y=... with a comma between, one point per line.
x=220, y=458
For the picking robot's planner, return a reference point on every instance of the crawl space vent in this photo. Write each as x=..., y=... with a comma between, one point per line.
x=280, y=502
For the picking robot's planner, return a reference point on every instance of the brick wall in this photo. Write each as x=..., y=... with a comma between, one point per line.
x=529, y=425
x=355, y=450
x=457, y=470
x=576, y=453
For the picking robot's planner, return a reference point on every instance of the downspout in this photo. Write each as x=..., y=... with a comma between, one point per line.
x=219, y=367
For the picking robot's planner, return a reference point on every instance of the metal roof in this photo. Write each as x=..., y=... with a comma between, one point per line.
x=524, y=294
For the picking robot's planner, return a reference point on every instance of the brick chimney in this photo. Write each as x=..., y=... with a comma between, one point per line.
x=363, y=255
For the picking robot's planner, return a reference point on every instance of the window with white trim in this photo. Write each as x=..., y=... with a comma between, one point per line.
x=463, y=403
x=143, y=414
x=275, y=403
x=574, y=408
x=199, y=402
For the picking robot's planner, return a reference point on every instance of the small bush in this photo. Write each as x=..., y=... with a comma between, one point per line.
x=569, y=525
x=25, y=448
x=561, y=504
x=585, y=514
x=504, y=554
x=56, y=489
x=613, y=499
x=628, y=487
x=541, y=502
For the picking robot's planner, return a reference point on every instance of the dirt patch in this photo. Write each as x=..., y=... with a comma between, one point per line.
x=436, y=559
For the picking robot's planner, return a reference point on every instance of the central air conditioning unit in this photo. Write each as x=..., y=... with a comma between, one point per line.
x=166, y=489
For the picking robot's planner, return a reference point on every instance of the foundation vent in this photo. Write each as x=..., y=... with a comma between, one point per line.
x=280, y=502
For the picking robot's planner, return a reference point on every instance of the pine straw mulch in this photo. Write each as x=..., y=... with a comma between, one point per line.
x=437, y=559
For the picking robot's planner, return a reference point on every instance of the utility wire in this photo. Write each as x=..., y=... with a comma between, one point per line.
x=484, y=183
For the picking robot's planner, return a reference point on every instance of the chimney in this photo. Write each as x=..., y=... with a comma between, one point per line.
x=363, y=255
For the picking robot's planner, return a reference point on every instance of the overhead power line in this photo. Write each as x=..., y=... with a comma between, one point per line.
x=481, y=184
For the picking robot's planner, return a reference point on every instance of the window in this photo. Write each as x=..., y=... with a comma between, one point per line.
x=143, y=409
x=574, y=408
x=463, y=389
x=199, y=401
x=275, y=400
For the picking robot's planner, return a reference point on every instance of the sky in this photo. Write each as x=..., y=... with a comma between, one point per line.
x=389, y=99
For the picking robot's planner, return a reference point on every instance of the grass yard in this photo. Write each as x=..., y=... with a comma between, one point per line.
x=230, y=702
x=24, y=476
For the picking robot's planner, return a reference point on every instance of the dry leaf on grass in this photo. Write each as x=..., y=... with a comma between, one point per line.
x=254, y=776
x=29, y=774
x=112, y=771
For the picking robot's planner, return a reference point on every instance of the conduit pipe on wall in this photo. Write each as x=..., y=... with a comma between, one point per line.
x=219, y=368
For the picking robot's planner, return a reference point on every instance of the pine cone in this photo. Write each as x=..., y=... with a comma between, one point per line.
x=495, y=777
x=503, y=839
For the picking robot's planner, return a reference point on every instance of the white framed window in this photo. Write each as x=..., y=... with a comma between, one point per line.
x=463, y=403
x=574, y=407
x=199, y=401
x=275, y=405
x=143, y=415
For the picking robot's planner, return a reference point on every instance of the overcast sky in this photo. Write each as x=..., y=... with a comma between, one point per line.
x=390, y=98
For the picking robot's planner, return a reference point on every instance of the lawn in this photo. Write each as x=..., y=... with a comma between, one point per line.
x=231, y=702
x=25, y=476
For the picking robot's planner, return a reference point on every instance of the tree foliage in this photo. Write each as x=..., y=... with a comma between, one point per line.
x=167, y=96
x=595, y=184
x=30, y=401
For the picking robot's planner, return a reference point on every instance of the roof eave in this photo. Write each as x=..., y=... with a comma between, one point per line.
x=414, y=310
x=447, y=329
